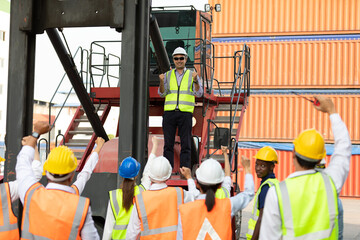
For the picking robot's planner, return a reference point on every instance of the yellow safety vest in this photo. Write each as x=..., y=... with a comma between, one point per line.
x=222, y=193
x=122, y=217
x=308, y=207
x=255, y=213
x=180, y=96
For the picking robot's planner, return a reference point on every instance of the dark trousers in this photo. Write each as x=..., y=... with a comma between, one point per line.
x=182, y=121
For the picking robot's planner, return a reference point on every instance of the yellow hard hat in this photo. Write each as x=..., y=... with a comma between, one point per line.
x=61, y=160
x=310, y=146
x=2, y=159
x=267, y=154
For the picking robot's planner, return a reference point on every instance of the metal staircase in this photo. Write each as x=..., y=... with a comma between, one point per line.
x=222, y=119
x=96, y=69
x=232, y=100
x=80, y=136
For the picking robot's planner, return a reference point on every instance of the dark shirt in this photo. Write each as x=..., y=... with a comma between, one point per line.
x=264, y=190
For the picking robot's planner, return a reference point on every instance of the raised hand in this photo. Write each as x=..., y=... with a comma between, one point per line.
x=325, y=104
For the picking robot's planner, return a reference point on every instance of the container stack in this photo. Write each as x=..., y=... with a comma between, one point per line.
x=300, y=47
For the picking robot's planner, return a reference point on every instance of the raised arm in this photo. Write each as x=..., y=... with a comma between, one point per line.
x=24, y=173
x=226, y=161
x=85, y=174
x=227, y=180
x=161, y=85
x=338, y=168
x=193, y=191
x=145, y=180
x=242, y=199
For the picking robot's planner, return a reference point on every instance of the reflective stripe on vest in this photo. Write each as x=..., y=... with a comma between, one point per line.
x=181, y=96
x=144, y=217
x=122, y=217
x=311, y=201
x=255, y=214
x=198, y=223
x=77, y=223
x=9, y=228
x=222, y=193
x=76, y=189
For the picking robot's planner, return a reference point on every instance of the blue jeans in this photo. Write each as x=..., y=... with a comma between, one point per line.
x=340, y=219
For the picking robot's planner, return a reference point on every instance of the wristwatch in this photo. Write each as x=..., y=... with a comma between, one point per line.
x=195, y=81
x=35, y=135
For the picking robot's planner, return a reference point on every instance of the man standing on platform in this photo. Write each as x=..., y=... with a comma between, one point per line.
x=179, y=86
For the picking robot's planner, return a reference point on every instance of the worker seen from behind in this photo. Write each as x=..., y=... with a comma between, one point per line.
x=266, y=158
x=43, y=207
x=8, y=194
x=304, y=206
x=155, y=214
x=122, y=200
x=224, y=190
x=210, y=216
x=179, y=86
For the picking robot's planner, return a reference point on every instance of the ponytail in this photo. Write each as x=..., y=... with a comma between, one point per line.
x=210, y=195
x=128, y=186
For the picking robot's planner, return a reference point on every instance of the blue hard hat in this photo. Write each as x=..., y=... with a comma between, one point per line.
x=129, y=168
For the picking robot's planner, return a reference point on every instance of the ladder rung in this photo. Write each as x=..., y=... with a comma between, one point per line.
x=81, y=132
x=226, y=107
x=77, y=144
x=225, y=119
x=233, y=132
x=79, y=141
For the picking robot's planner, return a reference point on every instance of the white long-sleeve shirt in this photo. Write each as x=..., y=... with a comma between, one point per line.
x=145, y=180
x=86, y=172
x=134, y=226
x=26, y=178
x=37, y=168
x=238, y=202
x=338, y=170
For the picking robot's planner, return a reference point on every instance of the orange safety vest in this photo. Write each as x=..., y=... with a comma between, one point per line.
x=53, y=214
x=158, y=212
x=76, y=189
x=8, y=221
x=198, y=223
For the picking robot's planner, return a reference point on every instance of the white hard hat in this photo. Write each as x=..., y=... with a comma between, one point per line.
x=210, y=172
x=160, y=169
x=179, y=50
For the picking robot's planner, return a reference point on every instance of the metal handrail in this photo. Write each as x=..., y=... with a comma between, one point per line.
x=47, y=147
x=111, y=65
x=208, y=155
x=239, y=75
x=57, y=136
x=86, y=71
x=56, y=91
x=104, y=67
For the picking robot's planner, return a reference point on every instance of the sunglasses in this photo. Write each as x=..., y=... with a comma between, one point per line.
x=179, y=58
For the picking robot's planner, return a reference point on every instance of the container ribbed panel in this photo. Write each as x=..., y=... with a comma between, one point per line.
x=285, y=17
